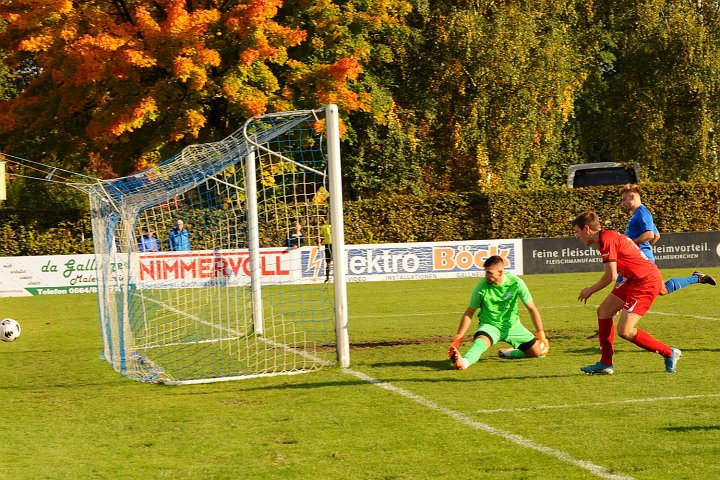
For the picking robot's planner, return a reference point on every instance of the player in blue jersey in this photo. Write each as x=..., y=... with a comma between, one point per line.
x=641, y=229
x=496, y=296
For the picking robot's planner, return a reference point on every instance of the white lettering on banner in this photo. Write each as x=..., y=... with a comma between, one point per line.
x=383, y=262
x=682, y=256
x=470, y=257
x=579, y=252
x=693, y=247
x=544, y=253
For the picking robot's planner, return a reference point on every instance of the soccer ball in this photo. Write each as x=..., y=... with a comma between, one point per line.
x=9, y=330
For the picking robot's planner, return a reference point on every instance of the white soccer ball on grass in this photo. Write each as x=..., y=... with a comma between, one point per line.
x=9, y=330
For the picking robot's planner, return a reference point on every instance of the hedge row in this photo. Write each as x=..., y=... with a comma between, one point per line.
x=24, y=232
x=681, y=207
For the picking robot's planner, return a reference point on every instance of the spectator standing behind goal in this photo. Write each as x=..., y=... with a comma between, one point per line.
x=497, y=298
x=147, y=242
x=641, y=229
x=295, y=239
x=179, y=238
x=325, y=238
x=632, y=297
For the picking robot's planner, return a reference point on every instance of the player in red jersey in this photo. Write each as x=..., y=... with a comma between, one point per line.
x=631, y=297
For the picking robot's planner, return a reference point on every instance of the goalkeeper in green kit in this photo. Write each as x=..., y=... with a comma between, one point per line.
x=497, y=298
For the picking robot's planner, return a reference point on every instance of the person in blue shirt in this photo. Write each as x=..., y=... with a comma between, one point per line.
x=147, y=242
x=642, y=230
x=179, y=238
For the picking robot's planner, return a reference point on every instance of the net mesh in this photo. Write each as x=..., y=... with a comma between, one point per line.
x=177, y=302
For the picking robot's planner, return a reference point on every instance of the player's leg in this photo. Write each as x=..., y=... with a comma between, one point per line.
x=681, y=282
x=606, y=311
x=328, y=261
x=641, y=338
x=524, y=343
x=637, y=303
x=606, y=332
x=618, y=281
x=485, y=336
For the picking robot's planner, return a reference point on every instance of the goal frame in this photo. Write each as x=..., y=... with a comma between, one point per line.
x=114, y=292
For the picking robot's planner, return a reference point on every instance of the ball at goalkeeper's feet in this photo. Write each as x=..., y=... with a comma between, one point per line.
x=9, y=330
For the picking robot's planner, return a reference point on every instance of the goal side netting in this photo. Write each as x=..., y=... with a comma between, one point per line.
x=227, y=260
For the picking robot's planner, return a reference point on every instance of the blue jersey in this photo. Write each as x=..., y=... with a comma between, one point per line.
x=641, y=222
x=179, y=240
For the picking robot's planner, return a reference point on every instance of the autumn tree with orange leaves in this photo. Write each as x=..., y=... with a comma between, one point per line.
x=119, y=85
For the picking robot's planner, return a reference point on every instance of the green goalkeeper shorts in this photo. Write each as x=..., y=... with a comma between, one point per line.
x=516, y=335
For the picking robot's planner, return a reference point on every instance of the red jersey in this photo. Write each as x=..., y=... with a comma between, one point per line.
x=631, y=261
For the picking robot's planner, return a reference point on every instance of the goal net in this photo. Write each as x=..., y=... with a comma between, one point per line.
x=212, y=265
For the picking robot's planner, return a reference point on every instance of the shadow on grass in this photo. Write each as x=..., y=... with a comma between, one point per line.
x=692, y=428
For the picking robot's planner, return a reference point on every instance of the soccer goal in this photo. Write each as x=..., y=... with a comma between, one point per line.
x=203, y=275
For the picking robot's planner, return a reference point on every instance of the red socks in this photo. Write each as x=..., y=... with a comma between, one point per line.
x=648, y=342
x=606, y=334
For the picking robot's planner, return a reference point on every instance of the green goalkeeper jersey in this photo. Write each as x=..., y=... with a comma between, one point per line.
x=498, y=304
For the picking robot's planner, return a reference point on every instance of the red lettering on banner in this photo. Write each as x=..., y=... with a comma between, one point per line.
x=166, y=268
x=278, y=264
x=187, y=267
x=203, y=266
x=147, y=268
x=235, y=264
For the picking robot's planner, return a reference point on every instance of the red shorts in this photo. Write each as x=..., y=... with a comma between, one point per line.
x=638, y=294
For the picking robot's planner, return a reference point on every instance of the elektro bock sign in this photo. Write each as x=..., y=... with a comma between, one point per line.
x=417, y=261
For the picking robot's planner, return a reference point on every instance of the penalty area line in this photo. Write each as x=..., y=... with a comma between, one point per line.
x=597, y=404
x=596, y=470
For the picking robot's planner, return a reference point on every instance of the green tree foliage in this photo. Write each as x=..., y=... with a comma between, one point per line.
x=655, y=99
x=480, y=95
x=498, y=91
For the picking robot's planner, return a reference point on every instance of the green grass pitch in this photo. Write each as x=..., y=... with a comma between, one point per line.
x=398, y=412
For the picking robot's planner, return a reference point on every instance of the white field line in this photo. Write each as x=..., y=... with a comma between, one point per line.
x=457, y=313
x=190, y=316
x=552, y=307
x=596, y=470
x=597, y=404
x=683, y=315
x=232, y=332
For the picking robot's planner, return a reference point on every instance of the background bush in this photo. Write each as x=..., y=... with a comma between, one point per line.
x=393, y=218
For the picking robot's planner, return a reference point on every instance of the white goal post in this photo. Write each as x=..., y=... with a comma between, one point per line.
x=211, y=266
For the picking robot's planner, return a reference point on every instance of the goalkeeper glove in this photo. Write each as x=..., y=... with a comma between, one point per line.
x=457, y=340
x=544, y=344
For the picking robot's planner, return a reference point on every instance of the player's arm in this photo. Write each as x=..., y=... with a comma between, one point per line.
x=535, y=316
x=655, y=239
x=646, y=236
x=539, y=330
x=465, y=322
x=608, y=277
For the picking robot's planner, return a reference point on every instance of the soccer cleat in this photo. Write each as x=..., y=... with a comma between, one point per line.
x=594, y=335
x=702, y=278
x=505, y=352
x=456, y=359
x=671, y=361
x=598, y=368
